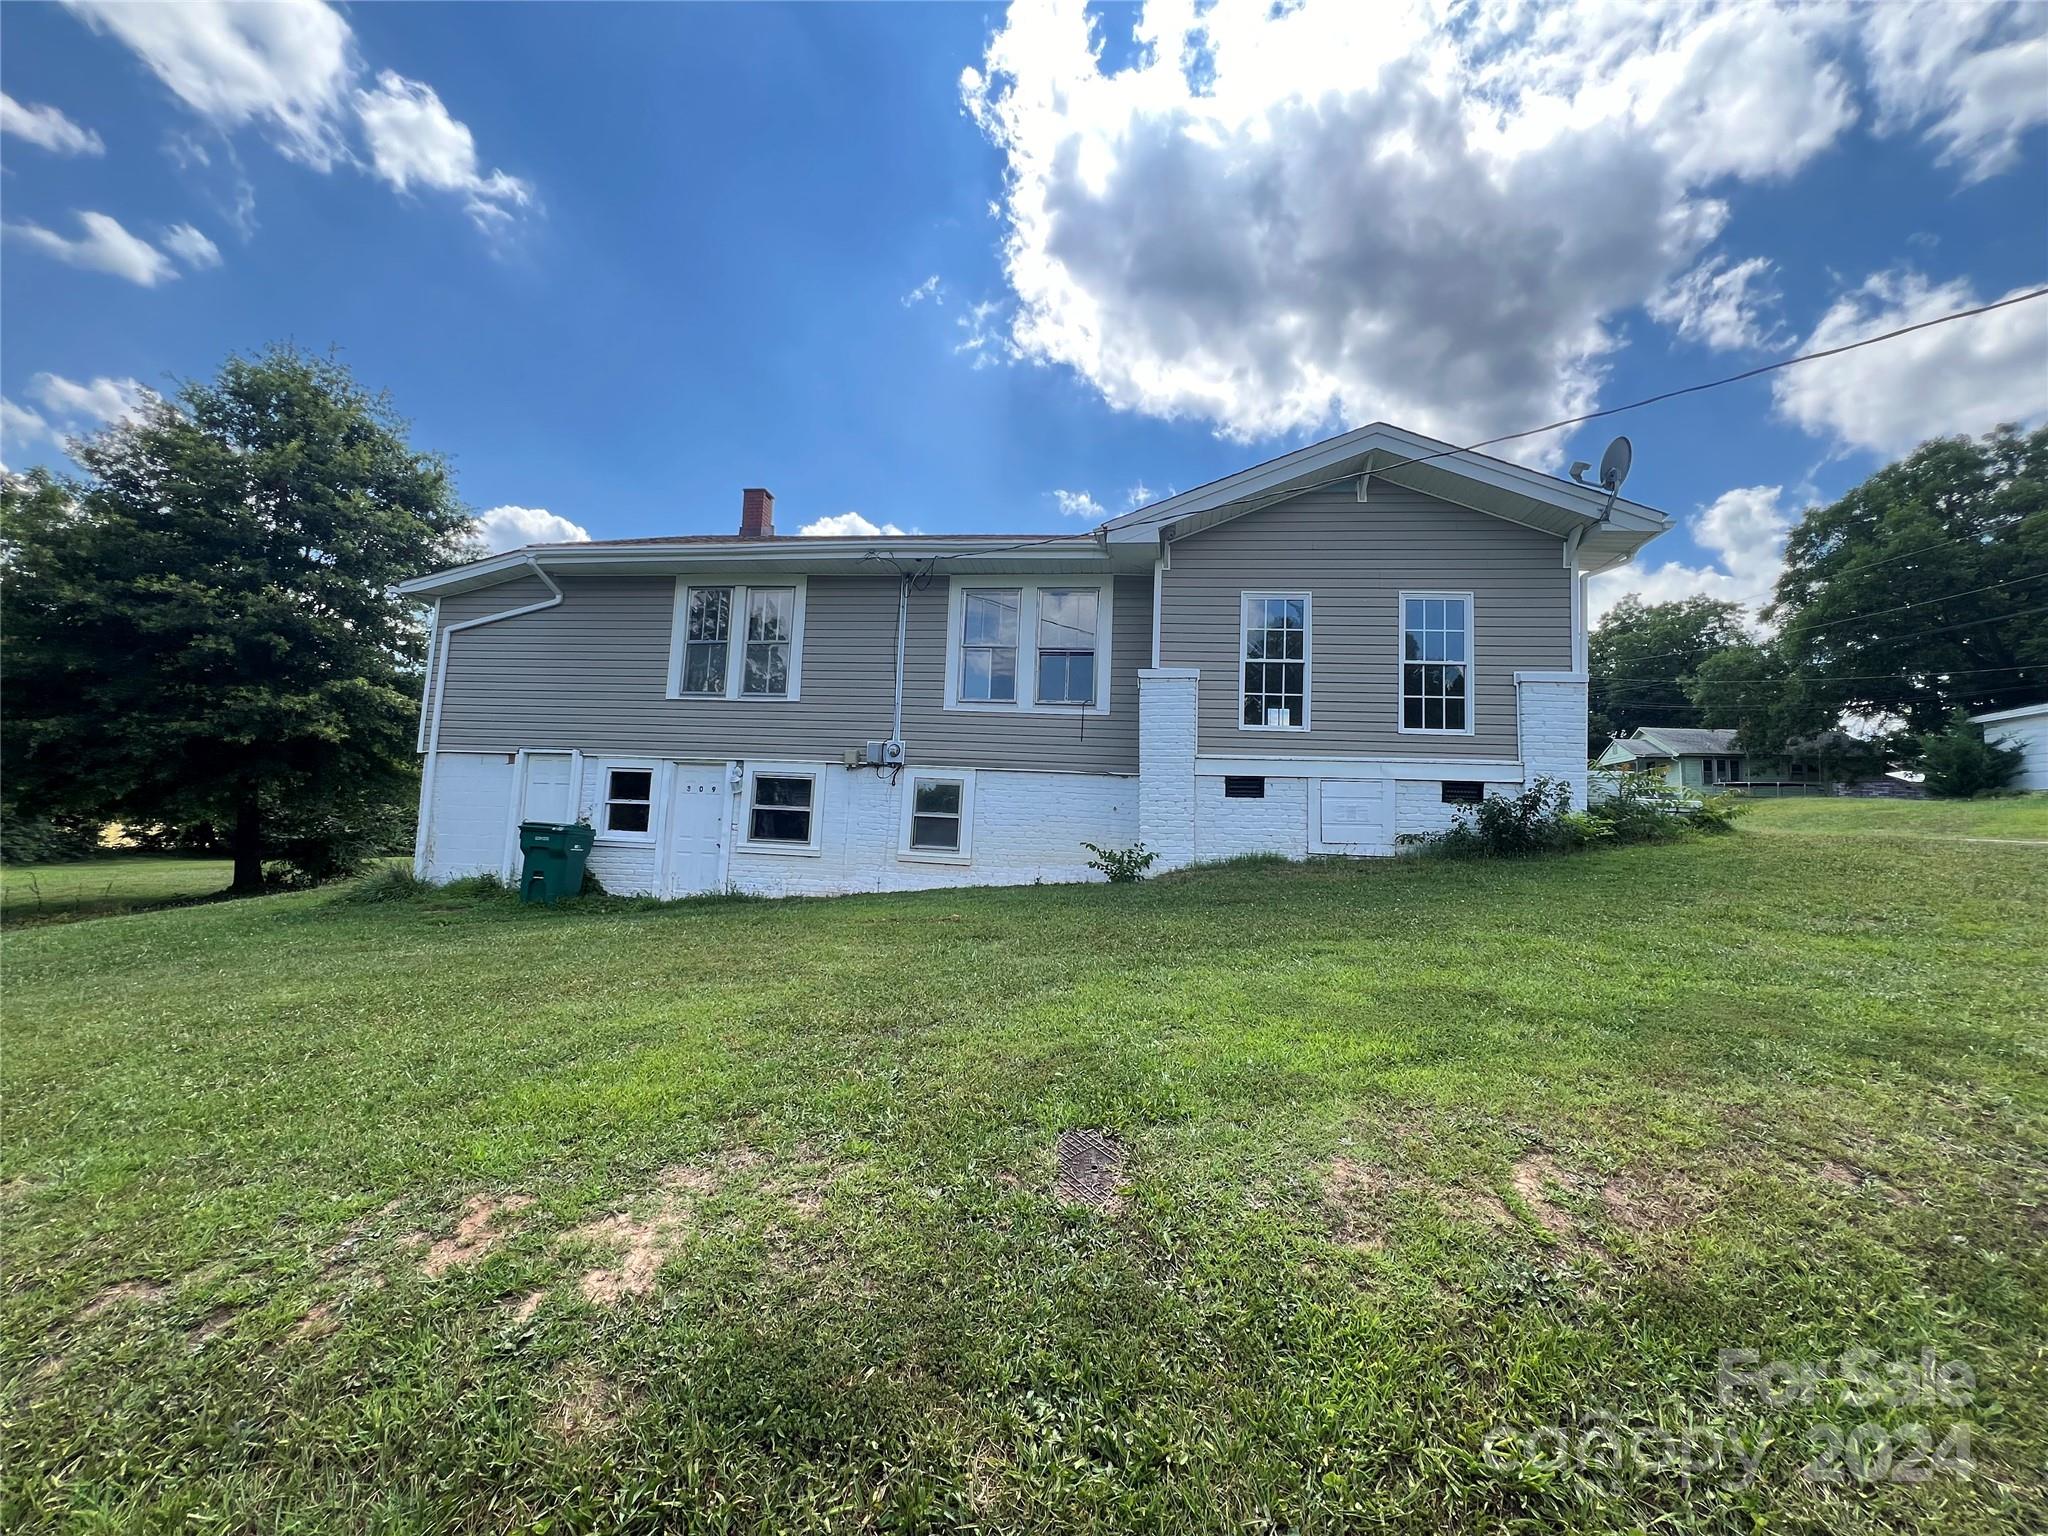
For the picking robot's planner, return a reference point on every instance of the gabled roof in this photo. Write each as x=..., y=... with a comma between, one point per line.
x=1683, y=741
x=1439, y=469
x=2024, y=712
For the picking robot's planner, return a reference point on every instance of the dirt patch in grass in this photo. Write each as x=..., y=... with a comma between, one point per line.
x=211, y=1326
x=1850, y=1176
x=586, y=1407
x=125, y=1293
x=521, y=1308
x=1353, y=1196
x=316, y=1322
x=647, y=1231
x=480, y=1228
x=1534, y=1175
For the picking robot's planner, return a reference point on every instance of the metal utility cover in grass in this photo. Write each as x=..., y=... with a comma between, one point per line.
x=1091, y=1166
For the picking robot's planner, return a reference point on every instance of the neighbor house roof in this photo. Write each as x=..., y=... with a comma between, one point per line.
x=2024, y=712
x=1680, y=741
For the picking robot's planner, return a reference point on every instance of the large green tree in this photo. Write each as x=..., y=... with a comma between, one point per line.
x=1641, y=655
x=1925, y=589
x=202, y=629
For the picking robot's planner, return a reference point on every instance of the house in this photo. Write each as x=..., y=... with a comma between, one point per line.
x=1683, y=756
x=1308, y=657
x=1709, y=761
x=2027, y=729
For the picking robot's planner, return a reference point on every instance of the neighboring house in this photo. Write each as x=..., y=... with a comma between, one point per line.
x=1692, y=757
x=1307, y=657
x=2027, y=729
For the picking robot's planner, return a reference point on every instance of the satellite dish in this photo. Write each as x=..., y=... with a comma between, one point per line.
x=1614, y=464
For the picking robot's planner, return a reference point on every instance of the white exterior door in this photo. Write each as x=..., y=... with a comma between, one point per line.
x=1352, y=816
x=696, y=830
x=550, y=782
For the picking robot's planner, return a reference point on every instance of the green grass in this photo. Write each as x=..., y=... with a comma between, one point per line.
x=2021, y=817
x=1417, y=1152
x=32, y=893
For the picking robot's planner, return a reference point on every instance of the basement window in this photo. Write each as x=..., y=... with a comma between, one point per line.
x=938, y=815
x=629, y=803
x=1463, y=792
x=782, y=814
x=1243, y=787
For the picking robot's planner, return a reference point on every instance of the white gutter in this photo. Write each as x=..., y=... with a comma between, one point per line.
x=440, y=687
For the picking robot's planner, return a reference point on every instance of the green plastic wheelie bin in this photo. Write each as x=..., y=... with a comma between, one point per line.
x=554, y=856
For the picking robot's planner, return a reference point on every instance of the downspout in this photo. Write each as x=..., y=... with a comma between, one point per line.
x=440, y=687
x=902, y=629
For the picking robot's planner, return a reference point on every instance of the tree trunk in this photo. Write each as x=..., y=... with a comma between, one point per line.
x=248, y=845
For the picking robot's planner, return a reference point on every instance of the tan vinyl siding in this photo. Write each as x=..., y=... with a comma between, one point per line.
x=1356, y=560
x=592, y=674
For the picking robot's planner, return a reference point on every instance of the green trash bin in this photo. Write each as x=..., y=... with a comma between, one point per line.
x=555, y=853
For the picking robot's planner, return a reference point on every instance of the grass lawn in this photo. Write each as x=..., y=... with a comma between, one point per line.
x=32, y=893
x=445, y=1213
x=2021, y=817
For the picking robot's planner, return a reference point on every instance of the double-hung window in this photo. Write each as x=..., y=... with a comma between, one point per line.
x=737, y=642
x=1066, y=645
x=707, y=639
x=988, y=644
x=771, y=624
x=1723, y=770
x=782, y=811
x=1273, y=659
x=1436, y=662
x=938, y=815
x=1028, y=646
x=629, y=803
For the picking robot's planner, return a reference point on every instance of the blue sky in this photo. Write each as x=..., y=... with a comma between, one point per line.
x=618, y=262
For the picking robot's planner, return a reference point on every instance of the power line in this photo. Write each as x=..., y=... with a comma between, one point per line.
x=1814, y=677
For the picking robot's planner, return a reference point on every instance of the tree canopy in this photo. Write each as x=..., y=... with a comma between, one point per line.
x=202, y=629
x=1641, y=655
x=1925, y=589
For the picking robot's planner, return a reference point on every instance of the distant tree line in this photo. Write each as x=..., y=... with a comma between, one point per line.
x=1916, y=600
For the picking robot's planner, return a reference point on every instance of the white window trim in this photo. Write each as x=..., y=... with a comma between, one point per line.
x=652, y=766
x=811, y=771
x=1308, y=650
x=1401, y=661
x=964, y=777
x=736, y=646
x=1026, y=702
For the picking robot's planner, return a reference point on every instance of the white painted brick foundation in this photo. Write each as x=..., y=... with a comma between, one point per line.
x=1166, y=764
x=1026, y=826
x=464, y=830
x=1550, y=717
x=1229, y=829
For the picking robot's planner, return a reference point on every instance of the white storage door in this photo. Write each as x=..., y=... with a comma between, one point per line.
x=550, y=777
x=1353, y=816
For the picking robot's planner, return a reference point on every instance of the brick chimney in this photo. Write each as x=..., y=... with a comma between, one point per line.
x=757, y=515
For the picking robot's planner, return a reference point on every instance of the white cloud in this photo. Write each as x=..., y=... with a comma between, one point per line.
x=982, y=339
x=1140, y=495
x=48, y=127
x=1744, y=531
x=1964, y=377
x=293, y=68
x=414, y=142
x=505, y=528
x=191, y=247
x=931, y=288
x=847, y=525
x=286, y=64
x=1724, y=307
x=1278, y=219
x=1079, y=504
x=1973, y=73
x=93, y=403
x=104, y=247
x=22, y=426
